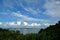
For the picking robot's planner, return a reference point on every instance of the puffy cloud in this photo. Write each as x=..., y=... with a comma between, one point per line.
x=10, y=24
x=35, y=24
x=52, y=8
x=32, y=24
x=25, y=23
x=18, y=23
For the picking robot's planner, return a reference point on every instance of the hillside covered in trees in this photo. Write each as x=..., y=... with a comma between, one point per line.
x=50, y=33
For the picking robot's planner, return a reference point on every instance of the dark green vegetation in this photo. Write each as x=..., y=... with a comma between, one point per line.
x=50, y=33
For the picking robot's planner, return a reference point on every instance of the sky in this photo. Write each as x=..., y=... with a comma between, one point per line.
x=29, y=13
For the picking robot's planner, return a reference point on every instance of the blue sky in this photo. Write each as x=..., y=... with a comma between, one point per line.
x=29, y=13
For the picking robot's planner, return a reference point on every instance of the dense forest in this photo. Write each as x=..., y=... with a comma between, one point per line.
x=50, y=33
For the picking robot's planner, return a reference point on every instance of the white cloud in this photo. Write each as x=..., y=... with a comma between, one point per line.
x=20, y=24
x=11, y=24
x=32, y=6
x=35, y=24
x=46, y=24
x=0, y=23
x=31, y=10
x=25, y=17
x=53, y=8
x=35, y=12
x=30, y=24
x=25, y=23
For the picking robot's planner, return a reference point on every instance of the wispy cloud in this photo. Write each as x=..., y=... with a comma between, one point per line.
x=32, y=11
x=32, y=6
x=25, y=17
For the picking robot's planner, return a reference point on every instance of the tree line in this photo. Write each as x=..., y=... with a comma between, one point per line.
x=50, y=33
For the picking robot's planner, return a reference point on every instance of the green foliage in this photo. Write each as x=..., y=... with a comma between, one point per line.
x=50, y=33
